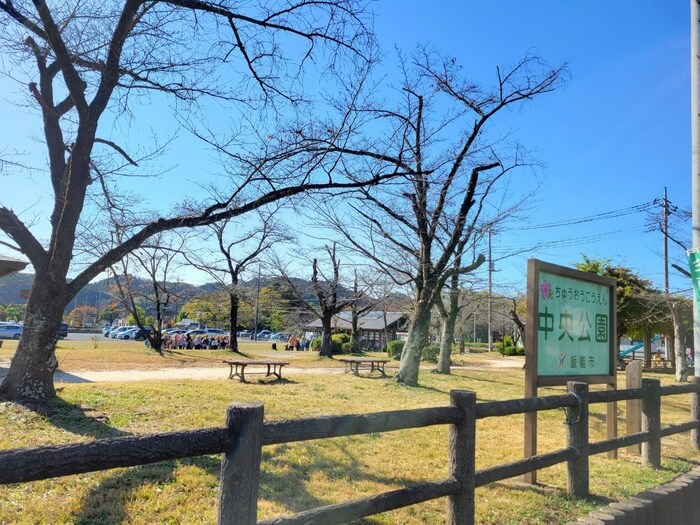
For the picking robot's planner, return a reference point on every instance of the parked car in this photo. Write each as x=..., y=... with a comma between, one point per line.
x=245, y=334
x=264, y=335
x=11, y=331
x=63, y=331
x=135, y=333
x=280, y=336
x=113, y=334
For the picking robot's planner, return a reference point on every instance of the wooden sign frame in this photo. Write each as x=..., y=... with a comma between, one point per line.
x=533, y=379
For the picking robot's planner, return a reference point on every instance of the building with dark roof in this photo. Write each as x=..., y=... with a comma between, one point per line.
x=9, y=265
x=373, y=327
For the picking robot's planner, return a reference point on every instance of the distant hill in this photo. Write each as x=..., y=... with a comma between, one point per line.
x=100, y=291
x=11, y=286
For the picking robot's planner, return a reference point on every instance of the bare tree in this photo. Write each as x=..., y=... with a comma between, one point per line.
x=437, y=139
x=156, y=261
x=357, y=310
x=328, y=300
x=237, y=247
x=92, y=57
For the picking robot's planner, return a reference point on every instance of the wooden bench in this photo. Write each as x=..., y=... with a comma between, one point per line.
x=355, y=364
x=238, y=366
x=658, y=361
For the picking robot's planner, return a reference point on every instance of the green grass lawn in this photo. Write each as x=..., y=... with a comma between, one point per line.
x=304, y=475
x=113, y=354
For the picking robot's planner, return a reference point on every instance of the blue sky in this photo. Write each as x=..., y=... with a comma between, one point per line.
x=613, y=138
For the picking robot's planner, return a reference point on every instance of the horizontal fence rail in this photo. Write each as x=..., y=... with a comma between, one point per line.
x=19, y=465
x=339, y=426
x=245, y=433
x=355, y=510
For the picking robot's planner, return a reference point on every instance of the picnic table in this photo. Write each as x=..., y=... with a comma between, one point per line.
x=355, y=364
x=238, y=366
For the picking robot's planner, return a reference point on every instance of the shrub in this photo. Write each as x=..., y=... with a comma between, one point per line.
x=513, y=350
x=506, y=347
x=341, y=338
x=431, y=352
x=394, y=349
x=346, y=348
x=316, y=343
x=337, y=342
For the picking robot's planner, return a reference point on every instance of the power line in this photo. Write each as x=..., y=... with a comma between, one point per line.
x=639, y=208
x=571, y=241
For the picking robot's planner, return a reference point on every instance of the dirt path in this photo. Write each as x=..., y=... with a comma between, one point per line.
x=221, y=372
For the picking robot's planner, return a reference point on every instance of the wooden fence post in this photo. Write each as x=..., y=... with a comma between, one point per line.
x=651, y=422
x=462, y=449
x=633, y=379
x=240, y=466
x=577, y=437
x=695, y=415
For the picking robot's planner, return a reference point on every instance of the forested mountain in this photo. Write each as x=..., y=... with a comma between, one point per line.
x=11, y=287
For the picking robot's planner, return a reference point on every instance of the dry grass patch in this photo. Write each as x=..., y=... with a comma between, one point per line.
x=302, y=475
x=102, y=354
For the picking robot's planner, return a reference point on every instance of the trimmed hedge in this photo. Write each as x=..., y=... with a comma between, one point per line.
x=394, y=349
x=431, y=352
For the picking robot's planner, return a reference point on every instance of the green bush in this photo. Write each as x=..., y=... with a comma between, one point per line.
x=506, y=347
x=513, y=350
x=337, y=342
x=431, y=352
x=316, y=343
x=341, y=338
x=394, y=349
x=346, y=348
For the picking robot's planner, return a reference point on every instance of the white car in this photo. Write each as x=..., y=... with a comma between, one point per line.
x=10, y=331
x=134, y=333
x=114, y=333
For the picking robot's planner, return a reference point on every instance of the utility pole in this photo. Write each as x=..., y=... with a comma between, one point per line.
x=665, y=212
x=490, y=307
x=695, y=147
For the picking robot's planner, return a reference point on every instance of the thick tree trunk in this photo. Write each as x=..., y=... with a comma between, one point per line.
x=326, y=349
x=30, y=376
x=233, y=322
x=681, y=363
x=448, y=335
x=671, y=350
x=354, y=331
x=417, y=335
x=647, y=350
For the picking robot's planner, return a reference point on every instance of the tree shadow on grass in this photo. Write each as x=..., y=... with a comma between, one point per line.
x=77, y=419
x=283, y=479
x=547, y=491
x=107, y=503
x=286, y=481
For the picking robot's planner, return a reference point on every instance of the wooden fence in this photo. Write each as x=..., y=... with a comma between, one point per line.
x=245, y=433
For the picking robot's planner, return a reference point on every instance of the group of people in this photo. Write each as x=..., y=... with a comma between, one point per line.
x=297, y=344
x=185, y=341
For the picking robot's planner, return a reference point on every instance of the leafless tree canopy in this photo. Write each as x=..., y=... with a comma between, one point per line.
x=87, y=64
x=419, y=227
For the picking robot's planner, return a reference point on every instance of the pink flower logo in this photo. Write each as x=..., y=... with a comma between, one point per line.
x=546, y=289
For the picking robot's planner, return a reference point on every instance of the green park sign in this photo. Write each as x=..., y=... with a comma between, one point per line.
x=570, y=335
x=572, y=315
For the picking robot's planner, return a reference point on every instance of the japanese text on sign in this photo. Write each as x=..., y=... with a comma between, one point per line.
x=573, y=326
